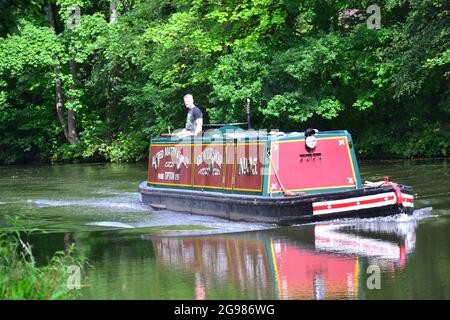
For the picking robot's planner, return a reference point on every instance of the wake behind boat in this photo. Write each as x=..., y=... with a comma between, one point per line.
x=281, y=178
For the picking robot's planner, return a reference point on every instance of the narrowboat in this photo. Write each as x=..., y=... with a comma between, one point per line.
x=269, y=177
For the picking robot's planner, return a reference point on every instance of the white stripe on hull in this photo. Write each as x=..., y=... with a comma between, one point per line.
x=385, y=199
x=408, y=200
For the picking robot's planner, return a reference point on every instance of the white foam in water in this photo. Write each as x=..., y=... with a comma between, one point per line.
x=123, y=205
x=417, y=215
x=50, y=203
x=115, y=192
x=158, y=218
x=112, y=224
x=217, y=225
x=339, y=236
x=115, y=203
x=130, y=203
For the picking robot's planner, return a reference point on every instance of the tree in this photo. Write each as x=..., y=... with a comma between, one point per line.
x=119, y=77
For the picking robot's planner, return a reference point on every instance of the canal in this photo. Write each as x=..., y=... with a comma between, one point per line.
x=137, y=253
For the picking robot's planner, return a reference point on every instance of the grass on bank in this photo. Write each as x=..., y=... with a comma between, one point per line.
x=22, y=279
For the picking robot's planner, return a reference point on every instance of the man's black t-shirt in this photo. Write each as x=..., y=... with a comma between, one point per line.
x=193, y=114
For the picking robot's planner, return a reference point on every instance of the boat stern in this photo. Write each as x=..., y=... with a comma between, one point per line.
x=405, y=198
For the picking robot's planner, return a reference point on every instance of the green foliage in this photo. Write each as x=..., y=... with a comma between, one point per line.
x=301, y=64
x=424, y=144
x=237, y=76
x=22, y=278
x=126, y=148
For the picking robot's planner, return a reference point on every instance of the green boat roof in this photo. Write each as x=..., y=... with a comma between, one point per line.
x=233, y=133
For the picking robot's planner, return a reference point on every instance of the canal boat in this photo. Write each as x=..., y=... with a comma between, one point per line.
x=269, y=177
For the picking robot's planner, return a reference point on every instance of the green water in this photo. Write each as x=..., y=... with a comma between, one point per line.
x=139, y=254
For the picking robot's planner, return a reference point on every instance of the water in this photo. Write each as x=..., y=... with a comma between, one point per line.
x=137, y=253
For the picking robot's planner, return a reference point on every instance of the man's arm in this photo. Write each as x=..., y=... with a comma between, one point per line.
x=199, y=126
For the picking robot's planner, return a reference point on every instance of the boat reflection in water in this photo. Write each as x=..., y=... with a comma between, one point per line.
x=322, y=261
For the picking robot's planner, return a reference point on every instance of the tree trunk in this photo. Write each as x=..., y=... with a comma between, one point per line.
x=58, y=84
x=112, y=11
x=71, y=120
x=110, y=100
x=60, y=102
x=68, y=126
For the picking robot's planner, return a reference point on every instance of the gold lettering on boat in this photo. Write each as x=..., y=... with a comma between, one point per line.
x=177, y=159
x=247, y=166
x=211, y=157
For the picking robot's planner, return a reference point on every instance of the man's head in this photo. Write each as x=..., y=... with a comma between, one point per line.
x=189, y=101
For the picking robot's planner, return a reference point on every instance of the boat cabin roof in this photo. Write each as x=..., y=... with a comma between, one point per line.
x=231, y=133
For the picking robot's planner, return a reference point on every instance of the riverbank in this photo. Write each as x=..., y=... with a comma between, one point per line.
x=23, y=278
